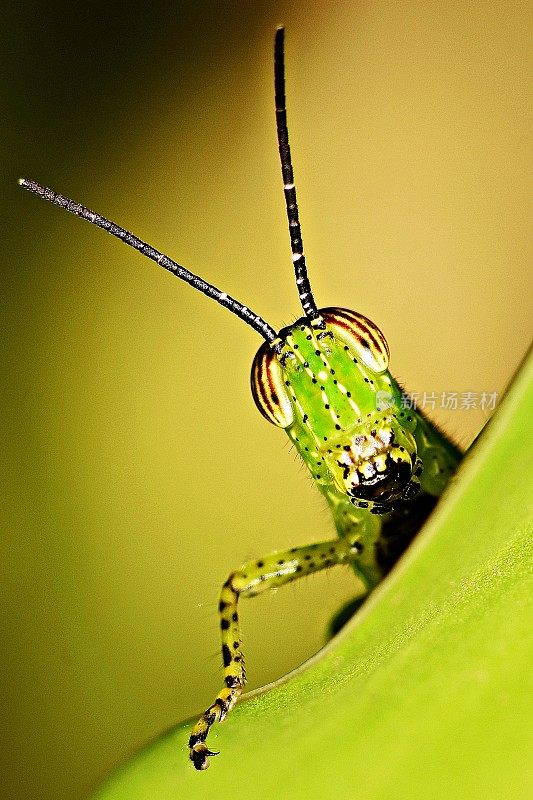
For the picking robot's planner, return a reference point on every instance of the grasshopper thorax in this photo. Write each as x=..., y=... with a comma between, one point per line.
x=328, y=385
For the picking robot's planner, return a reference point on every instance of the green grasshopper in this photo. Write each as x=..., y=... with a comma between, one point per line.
x=325, y=381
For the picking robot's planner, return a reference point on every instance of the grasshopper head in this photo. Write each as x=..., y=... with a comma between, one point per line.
x=327, y=383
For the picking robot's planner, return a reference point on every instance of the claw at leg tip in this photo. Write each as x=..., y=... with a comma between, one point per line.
x=199, y=755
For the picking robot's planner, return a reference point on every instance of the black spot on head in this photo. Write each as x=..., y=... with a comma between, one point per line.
x=234, y=616
x=260, y=563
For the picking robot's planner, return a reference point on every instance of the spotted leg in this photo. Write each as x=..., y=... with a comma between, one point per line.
x=272, y=571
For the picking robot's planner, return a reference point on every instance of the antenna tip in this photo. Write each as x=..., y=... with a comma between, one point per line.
x=279, y=44
x=22, y=181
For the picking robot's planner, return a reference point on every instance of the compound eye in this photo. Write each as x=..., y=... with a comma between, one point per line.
x=360, y=335
x=268, y=388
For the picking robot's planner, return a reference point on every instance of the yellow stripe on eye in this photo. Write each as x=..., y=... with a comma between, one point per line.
x=360, y=334
x=268, y=389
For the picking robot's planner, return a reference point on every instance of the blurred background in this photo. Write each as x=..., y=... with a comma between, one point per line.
x=136, y=470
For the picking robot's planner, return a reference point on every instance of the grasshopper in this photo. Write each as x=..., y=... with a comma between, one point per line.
x=325, y=380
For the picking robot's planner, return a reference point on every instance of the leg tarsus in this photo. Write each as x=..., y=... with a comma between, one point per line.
x=199, y=753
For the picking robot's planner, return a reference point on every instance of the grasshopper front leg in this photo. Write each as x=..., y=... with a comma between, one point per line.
x=251, y=579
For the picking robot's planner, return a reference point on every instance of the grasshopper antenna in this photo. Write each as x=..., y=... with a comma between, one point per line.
x=243, y=312
x=295, y=232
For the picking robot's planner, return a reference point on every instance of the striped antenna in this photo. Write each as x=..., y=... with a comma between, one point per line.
x=244, y=313
x=300, y=269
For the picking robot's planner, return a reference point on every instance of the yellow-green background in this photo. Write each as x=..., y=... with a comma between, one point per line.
x=136, y=471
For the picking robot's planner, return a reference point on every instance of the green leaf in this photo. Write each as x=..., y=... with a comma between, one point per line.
x=427, y=693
